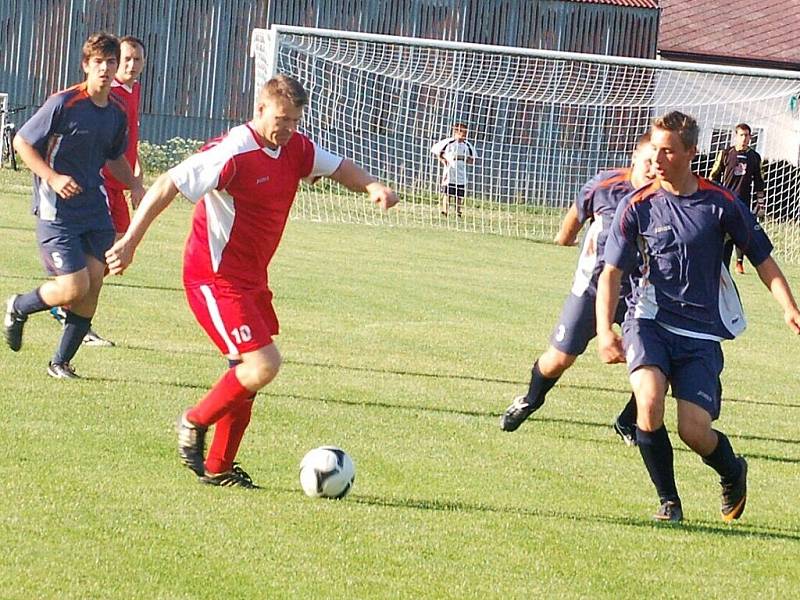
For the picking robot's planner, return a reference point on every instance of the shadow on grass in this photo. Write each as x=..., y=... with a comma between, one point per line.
x=539, y=418
x=32, y=278
x=17, y=228
x=142, y=286
x=399, y=372
x=127, y=380
x=621, y=390
x=738, y=530
x=403, y=373
x=602, y=425
x=108, y=283
x=590, y=388
x=679, y=448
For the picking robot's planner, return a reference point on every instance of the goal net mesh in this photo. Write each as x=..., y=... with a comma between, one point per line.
x=541, y=126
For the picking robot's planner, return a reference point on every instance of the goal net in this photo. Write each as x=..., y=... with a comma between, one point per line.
x=542, y=123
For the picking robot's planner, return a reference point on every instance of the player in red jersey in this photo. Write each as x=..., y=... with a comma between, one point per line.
x=244, y=184
x=124, y=88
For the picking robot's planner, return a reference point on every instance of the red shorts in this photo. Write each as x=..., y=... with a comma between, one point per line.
x=236, y=320
x=118, y=206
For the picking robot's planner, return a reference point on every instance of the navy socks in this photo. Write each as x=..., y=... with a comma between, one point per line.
x=75, y=328
x=656, y=450
x=27, y=304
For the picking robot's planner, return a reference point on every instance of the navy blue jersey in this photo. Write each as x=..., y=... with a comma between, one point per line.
x=76, y=138
x=597, y=202
x=683, y=282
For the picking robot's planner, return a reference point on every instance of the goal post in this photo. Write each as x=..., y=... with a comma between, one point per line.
x=542, y=123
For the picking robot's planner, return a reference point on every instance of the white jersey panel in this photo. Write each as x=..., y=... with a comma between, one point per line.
x=646, y=306
x=46, y=196
x=731, y=310
x=220, y=213
x=46, y=201
x=587, y=261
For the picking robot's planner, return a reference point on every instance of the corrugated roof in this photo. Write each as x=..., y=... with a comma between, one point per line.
x=732, y=29
x=634, y=3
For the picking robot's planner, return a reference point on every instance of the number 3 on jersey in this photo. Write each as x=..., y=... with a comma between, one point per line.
x=242, y=334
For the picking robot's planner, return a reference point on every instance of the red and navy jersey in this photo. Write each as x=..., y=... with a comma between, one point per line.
x=76, y=138
x=128, y=97
x=244, y=191
x=597, y=203
x=683, y=282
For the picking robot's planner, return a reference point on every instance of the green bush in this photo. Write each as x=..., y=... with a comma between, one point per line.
x=157, y=158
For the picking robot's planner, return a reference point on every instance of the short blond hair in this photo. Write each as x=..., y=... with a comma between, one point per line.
x=283, y=86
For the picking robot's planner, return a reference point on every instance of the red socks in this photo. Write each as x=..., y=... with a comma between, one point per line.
x=227, y=437
x=228, y=404
x=225, y=395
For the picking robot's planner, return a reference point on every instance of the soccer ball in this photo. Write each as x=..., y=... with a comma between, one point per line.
x=327, y=472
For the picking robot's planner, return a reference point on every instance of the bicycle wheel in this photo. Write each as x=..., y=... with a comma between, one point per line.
x=8, y=150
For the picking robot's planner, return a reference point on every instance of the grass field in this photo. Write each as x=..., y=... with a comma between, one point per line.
x=402, y=346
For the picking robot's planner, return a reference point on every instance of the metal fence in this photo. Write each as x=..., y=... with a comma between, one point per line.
x=199, y=77
x=544, y=24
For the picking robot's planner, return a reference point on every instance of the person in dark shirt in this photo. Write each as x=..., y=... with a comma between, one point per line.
x=683, y=305
x=738, y=168
x=596, y=204
x=66, y=143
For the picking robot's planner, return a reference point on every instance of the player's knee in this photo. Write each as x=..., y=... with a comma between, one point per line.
x=265, y=373
x=553, y=362
x=262, y=371
x=73, y=289
x=650, y=411
x=693, y=434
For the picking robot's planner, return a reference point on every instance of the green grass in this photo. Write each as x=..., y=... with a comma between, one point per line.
x=402, y=346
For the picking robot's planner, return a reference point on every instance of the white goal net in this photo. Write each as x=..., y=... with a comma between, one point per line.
x=542, y=123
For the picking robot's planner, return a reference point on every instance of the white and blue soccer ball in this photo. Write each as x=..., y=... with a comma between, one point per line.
x=327, y=472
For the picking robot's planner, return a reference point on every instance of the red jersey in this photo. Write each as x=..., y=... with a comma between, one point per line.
x=128, y=97
x=244, y=191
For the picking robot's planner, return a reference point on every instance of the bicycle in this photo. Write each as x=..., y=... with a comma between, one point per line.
x=7, y=153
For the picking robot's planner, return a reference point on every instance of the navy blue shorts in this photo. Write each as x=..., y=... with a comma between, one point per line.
x=64, y=247
x=577, y=325
x=455, y=191
x=692, y=366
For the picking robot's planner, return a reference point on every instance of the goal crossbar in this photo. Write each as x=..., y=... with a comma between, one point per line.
x=542, y=123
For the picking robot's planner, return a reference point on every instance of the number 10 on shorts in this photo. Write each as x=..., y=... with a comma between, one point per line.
x=242, y=334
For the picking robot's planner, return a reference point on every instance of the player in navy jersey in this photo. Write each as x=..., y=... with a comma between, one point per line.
x=596, y=203
x=683, y=305
x=126, y=89
x=244, y=185
x=66, y=143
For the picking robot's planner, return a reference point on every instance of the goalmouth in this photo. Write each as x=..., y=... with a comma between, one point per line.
x=542, y=124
